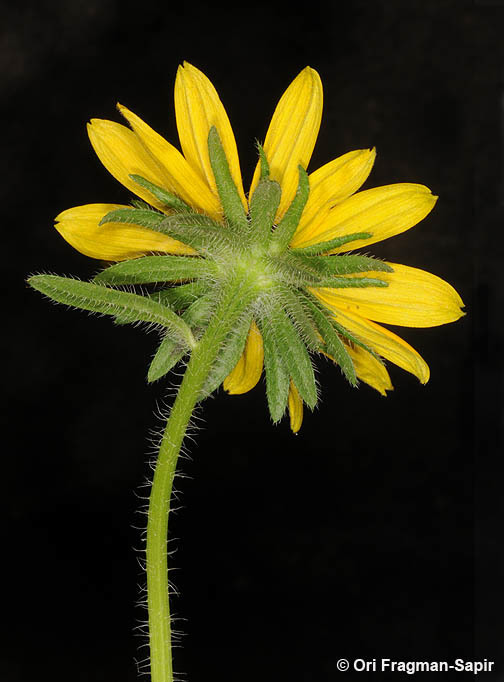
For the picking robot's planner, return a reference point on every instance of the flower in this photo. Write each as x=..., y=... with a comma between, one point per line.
x=353, y=293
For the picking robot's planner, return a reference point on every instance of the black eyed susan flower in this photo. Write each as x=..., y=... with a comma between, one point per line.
x=293, y=237
x=240, y=282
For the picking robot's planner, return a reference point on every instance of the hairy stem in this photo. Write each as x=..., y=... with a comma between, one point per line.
x=235, y=298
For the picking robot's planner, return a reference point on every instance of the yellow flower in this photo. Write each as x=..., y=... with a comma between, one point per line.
x=335, y=208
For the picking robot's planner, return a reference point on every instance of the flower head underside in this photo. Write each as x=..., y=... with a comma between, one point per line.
x=290, y=243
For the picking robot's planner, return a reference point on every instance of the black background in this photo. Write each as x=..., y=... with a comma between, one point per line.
x=376, y=532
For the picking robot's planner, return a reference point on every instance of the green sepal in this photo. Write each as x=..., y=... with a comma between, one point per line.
x=152, y=269
x=324, y=247
x=166, y=357
x=178, y=298
x=303, y=271
x=340, y=329
x=263, y=208
x=169, y=352
x=286, y=228
x=323, y=271
x=350, y=283
x=198, y=231
x=294, y=354
x=349, y=336
x=265, y=169
x=134, y=216
x=193, y=229
x=100, y=299
x=140, y=203
x=300, y=314
x=230, y=322
x=228, y=193
x=343, y=331
x=345, y=264
x=294, y=271
x=333, y=345
x=181, y=296
x=199, y=312
x=228, y=356
x=277, y=376
x=166, y=198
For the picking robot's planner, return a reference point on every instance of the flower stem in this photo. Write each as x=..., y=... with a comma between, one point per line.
x=235, y=298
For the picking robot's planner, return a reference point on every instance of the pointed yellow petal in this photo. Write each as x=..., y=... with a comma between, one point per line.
x=178, y=176
x=384, y=342
x=111, y=241
x=197, y=109
x=382, y=211
x=234, y=378
x=332, y=184
x=413, y=298
x=122, y=154
x=295, y=408
x=370, y=370
x=292, y=134
x=248, y=370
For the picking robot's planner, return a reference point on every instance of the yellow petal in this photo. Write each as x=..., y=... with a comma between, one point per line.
x=332, y=184
x=295, y=408
x=178, y=176
x=413, y=298
x=370, y=370
x=111, y=241
x=292, y=134
x=382, y=211
x=122, y=154
x=248, y=370
x=197, y=109
x=384, y=342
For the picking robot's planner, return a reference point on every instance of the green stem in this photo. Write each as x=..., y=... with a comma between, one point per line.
x=235, y=298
